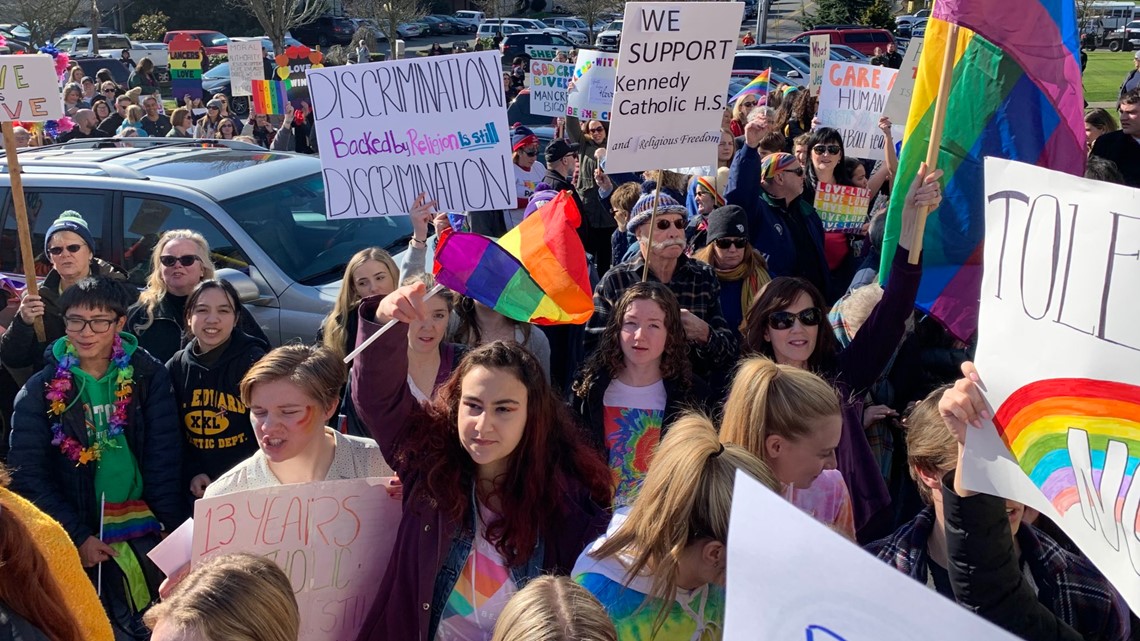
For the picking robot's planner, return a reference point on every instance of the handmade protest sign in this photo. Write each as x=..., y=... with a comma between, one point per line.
x=815, y=585
x=245, y=66
x=270, y=97
x=1058, y=345
x=185, y=67
x=820, y=47
x=852, y=101
x=593, y=92
x=842, y=208
x=545, y=52
x=293, y=65
x=898, y=103
x=332, y=538
x=389, y=131
x=669, y=92
x=548, y=82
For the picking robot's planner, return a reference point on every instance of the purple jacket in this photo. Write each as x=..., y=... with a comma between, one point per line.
x=385, y=405
x=855, y=369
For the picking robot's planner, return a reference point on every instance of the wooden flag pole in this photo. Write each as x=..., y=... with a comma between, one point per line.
x=944, y=81
x=23, y=229
x=652, y=226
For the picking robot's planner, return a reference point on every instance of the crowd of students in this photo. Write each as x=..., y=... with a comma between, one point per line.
x=556, y=482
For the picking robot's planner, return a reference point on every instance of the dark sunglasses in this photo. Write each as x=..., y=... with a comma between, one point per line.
x=186, y=260
x=597, y=130
x=810, y=317
x=108, y=91
x=664, y=224
x=212, y=109
x=531, y=154
x=71, y=249
x=799, y=171
x=725, y=243
x=748, y=105
x=827, y=149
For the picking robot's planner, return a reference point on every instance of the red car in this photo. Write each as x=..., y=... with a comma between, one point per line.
x=862, y=40
x=215, y=43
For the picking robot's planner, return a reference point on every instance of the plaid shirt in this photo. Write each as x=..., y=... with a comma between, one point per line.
x=697, y=289
x=1067, y=584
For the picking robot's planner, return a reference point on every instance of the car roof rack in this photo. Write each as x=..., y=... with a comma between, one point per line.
x=138, y=145
x=110, y=171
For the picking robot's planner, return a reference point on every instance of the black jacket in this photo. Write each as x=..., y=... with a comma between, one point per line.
x=214, y=421
x=1123, y=150
x=166, y=335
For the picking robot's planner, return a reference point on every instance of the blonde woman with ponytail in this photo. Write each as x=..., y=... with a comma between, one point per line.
x=792, y=420
x=660, y=569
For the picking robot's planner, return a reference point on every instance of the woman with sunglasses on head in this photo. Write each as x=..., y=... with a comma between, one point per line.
x=784, y=324
x=741, y=270
x=179, y=261
x=528, y=173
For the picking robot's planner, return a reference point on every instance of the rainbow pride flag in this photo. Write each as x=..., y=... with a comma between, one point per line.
x=535, y=273
x=1016, y=94
x=757, y=87
x=270, y=97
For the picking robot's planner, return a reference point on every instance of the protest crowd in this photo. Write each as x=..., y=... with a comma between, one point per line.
x=566, y=479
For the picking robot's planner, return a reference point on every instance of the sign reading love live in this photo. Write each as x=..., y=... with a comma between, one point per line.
x=852, y=100
x=29, y=88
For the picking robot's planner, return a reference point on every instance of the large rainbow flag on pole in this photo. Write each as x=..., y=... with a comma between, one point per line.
x=1016, y=94
x=535, y=273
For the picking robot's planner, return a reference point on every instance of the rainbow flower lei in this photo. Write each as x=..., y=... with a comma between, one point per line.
x=59, y=388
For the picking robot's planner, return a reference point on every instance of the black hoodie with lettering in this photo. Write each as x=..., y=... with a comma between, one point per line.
x=214, y=421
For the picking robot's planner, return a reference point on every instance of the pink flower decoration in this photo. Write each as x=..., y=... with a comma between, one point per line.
x=65, y=124
x=61, y=62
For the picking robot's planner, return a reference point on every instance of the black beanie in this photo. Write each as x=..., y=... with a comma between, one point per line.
x=729, y=221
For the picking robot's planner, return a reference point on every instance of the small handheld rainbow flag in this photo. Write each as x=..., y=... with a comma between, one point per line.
x=758, y=87
x=270, y=97
x=535, y=273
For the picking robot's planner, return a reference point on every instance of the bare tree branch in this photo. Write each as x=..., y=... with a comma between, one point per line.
x=277, y=17
x=591, y=11
x=42, y=17
x=389, y=14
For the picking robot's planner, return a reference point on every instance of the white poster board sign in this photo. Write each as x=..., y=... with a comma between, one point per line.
x=593, y=91
x=898, y=104
x=388, y=131
x=246, y=65
x=792, y=578
x=852, y=100
x=333, y=539
x=820, y=47
x=29, y=88
x=672, y=74
x=545, y=52
x=548, y=82
x=1058, y=351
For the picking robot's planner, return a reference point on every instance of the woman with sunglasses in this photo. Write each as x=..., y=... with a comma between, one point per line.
x=528, y=173
x=784, y=324
x=179, y=261
x=226, y=130
x=597, y=221
x=828, y=164
x=741, y=270
x=740, y=110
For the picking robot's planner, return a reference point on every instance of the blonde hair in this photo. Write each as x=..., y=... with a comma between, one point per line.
x=929, y=445
x=428, y=280
x=155, y=291
x=334, y=330
x=234, y=597
x=554, y=608
x=686, y=496
x=315, y=370
x=134, y=114
x=771, y=399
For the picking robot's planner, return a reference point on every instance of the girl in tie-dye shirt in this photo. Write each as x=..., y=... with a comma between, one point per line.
x=648, y=591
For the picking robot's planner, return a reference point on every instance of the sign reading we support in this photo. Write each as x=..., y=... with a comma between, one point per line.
x=246, y=65
x=1058, y=345
x=29, y=88
x=673, y=67
x=898, y=104
x=593, y=91
x=548, y=81
x=852, y=101
x=820, y=55
x=841, y=208
x=333, y=539
x=389, y=131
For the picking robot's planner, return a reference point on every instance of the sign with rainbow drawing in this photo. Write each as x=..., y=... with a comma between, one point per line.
x=1058, y=348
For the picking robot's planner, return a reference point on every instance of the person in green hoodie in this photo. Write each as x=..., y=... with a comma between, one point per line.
x=95, y=444
x=206, y=375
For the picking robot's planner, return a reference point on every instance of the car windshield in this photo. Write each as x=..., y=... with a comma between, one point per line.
x=288, y=222
x=213, y=39
x=222, y=70
x=614, y=26
x=114, y=42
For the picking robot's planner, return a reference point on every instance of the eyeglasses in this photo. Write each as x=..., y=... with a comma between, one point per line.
x=185, y=261
x=799, y=171
x=663, y=224
x=71, y=249
x=810, y=317
x=725, y=243
x=531, y=153
x=108, y=91
x=834, y=150
x=211, y=108
x=748, y=105
x=97, y=325
x=597, y=130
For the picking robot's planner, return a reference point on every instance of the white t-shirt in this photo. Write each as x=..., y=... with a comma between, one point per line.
x=633, y=418
x=525, y=182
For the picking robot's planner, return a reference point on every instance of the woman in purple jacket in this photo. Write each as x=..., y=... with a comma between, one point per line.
x=784, y=325
x=499, y=486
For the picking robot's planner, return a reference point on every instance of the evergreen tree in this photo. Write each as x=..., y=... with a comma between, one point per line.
x=878, y=15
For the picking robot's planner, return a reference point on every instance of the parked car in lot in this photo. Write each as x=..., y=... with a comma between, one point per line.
x=840, y=53
x=214, y=41
x=475, y=18
x=217, y=80
x=514, y=45
x=91, y=66
x=457, y=25
x=610, y=39
x=263, y=214
x=325, y=31
x=267, y=42
x=436, y=26
x=860, y=39
x=492, y=29
x=784, y=64
x=14, y=43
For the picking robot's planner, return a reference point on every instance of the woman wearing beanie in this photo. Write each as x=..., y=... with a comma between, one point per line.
x=706, y=193
x=69, y=246
x=741, y=270
x=528, y=173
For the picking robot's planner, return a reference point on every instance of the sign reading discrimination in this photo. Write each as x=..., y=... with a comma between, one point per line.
x=333, y=539
x=842, y=208
x=185, y=67
x=389, y=131
x=593, y=92
x=852, y=101
x=29, y=88
x=246, y=65
x=1058, y=345
x=820, y=55
x=898, y=104
x=548, y=81
x=669, y=93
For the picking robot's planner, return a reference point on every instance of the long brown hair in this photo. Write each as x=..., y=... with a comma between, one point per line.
x=778, y=295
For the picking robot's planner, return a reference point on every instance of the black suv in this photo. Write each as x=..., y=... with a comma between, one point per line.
x=325, y=31
x=514, y=45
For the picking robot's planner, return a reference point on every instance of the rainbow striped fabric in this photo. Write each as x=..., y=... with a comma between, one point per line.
x=1016, y=94
x=270, y=97
x=535, y=273
x=757, y=87
x=128, y=520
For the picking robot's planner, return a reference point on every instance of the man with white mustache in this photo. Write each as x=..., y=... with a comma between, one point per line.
x=712, y=346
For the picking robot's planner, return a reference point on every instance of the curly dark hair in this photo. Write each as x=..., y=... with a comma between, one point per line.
x=779, y=295
x=608, y=358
